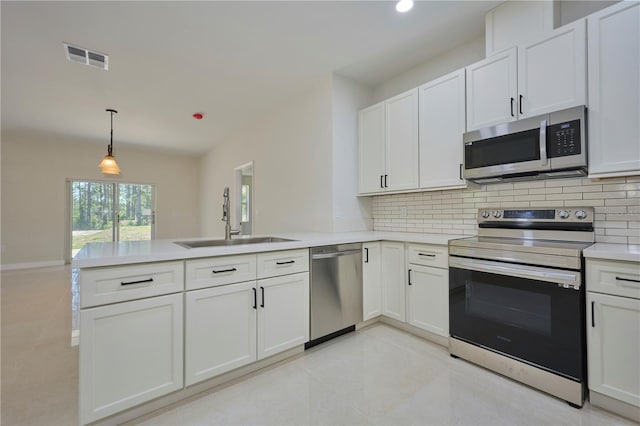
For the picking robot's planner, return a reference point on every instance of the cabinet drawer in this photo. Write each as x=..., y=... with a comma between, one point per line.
x=613, y=277
x=283, y=262
x=100, y=286
x=428, y=255
x=222, y=270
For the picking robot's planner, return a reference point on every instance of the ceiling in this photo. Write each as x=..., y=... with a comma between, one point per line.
x=232, y=61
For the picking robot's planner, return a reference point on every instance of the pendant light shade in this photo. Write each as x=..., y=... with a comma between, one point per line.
x=108, y=165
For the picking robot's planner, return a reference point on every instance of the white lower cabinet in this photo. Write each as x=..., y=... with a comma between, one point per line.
x=283, y=313
x=393, y=280
x=371, y=281
x=233, y=325
x=428, y=299
x=220, y=332
x=130, y=353
x=613, y=337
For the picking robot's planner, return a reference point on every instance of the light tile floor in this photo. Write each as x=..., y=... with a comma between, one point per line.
x=378, y=375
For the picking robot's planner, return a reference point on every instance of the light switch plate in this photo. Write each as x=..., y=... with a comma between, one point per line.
x=403, y=212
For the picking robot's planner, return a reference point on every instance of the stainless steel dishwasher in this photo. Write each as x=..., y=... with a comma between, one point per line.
x=336, y=291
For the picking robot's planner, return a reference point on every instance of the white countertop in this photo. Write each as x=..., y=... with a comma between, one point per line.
x=608, y=251
x=127, y=252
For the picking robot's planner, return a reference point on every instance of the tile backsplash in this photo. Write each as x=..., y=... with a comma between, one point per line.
x=616, y=202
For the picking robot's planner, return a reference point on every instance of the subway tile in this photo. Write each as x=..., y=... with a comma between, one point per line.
x=577, y=196
x=528, y=185
x=514, y=192
x=633, y=240
x=611, y=210
x=546, y=190
x=546, y=203
x=583, y=203
x=582, y=188
x=499, y=199
x=633, y=179
x=604, y=195
x=562, y=182
x=610, y=224
x=611, y=239
x=529, y=197
x=604, y=181
x=622, y=187
x=624, y=232
x=515, y=204
x=627, y=217
x=622, y=202
x=499, y=187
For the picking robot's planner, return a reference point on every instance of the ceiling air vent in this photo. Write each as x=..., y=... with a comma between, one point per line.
x=87, y=57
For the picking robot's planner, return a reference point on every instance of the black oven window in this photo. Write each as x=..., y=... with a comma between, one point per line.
x=517, y=308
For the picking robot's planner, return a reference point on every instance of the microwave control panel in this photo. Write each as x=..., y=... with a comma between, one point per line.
x=564, y=139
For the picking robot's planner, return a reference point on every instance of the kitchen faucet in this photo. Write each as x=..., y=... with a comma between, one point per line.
x=226, y=216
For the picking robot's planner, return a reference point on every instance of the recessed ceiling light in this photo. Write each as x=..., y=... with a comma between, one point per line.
x=404, y=5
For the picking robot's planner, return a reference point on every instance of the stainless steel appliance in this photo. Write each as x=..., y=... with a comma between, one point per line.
x=517, y=297
x=336, y=291
x=546, y=146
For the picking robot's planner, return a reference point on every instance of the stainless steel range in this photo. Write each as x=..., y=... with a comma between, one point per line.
x=517, y=297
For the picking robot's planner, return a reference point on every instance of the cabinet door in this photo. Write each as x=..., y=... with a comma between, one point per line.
x=614, y=90
x=393, y=274
x=402, y=141
x=283, y=313
x=371, y=283
x=552, y=71
x=492, y=86
x=442, y=123
x=613, y=338
x=220, y=330
x=371, y=149
x=130, y=353
x=428, y=299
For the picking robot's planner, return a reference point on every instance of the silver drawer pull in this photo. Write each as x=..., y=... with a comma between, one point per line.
x=426, y=254
x=149, y=280
x=224, y=270
x=285, y=263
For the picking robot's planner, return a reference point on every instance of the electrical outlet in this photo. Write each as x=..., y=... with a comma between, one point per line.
x=403, y=212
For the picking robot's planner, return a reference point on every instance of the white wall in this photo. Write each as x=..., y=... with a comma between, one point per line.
x=34, y=171
x=291, y=151
x=350, y=212
x=438, y=66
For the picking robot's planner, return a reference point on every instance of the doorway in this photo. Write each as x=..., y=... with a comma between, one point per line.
x=109, y=211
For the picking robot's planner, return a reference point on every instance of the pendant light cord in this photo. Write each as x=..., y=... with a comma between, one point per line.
x=110, y=147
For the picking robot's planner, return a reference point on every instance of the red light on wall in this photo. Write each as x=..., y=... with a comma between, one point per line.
x=198, y=116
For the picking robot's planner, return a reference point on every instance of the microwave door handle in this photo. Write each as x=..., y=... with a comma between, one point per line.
x=543, y=143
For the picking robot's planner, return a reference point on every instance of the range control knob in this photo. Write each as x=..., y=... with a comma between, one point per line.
x=563, y=214
x=497, y=213
x=581, y=214
x=485, y=214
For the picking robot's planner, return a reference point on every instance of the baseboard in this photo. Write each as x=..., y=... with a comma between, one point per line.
x=30, y=265
x=615, y=406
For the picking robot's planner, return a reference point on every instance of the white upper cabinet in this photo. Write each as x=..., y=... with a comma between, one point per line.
x=614, y=90
x=492, y=86
x=531, y=79
x=371, y=148
x=519, y=22
x=442, y=123
x=388, y=145
x=552, y=71
x=402, y=141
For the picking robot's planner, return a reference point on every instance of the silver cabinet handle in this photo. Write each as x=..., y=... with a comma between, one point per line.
x=543, y=143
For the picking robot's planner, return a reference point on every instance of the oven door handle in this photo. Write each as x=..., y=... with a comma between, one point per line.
x=570, y=279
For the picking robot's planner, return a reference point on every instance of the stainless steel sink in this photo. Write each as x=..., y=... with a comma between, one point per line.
x=232, y=242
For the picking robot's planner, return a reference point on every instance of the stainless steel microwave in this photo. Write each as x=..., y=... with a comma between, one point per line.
x=546, y=146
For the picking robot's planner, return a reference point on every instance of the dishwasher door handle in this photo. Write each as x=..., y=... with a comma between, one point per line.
x=335, y=254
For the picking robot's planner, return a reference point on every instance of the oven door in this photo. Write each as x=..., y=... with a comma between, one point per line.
x=510, y=148
x=532, y=314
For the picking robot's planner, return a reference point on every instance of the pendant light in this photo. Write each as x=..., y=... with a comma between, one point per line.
x=108, y=164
